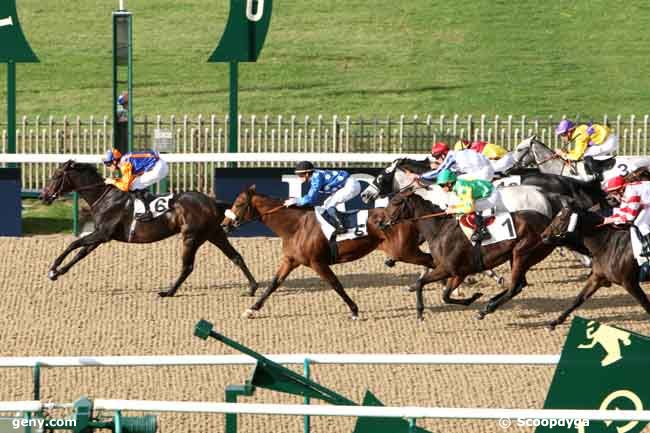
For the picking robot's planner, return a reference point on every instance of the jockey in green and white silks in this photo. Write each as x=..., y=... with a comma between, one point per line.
x=337, y=184
x=474, y=196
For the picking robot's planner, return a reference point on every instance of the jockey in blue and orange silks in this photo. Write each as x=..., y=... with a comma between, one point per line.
x=140, y=170
x=338, y=184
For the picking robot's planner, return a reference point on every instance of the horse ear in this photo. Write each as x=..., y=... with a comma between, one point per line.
x=251, y=189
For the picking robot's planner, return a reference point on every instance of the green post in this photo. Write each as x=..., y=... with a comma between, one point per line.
x=123, y=56
x=11, y=108
x=117, y=422
x=307, y=373
x=413, y=425
x=233, y=131
x=37, y=381
x=242, y=41
x=232, y=392
x=75, y=214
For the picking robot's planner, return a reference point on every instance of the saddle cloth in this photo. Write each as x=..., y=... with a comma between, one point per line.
x=637, y=246
x=500, y=226
x=354, y=222
x=157, y=206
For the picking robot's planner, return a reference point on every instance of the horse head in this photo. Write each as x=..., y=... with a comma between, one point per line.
x=523, y=153
x=400, y=207
x=382, y=185
x=242, y=210
x=70, y=177
x=562, y=225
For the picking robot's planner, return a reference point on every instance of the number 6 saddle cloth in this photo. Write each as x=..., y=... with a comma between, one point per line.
x=158, y=205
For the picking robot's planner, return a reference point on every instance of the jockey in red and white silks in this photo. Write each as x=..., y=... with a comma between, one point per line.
x=633, y=208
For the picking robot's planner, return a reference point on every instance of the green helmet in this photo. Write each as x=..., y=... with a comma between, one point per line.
x=446, y=176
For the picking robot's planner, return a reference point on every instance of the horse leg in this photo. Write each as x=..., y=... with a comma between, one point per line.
x=436, y=274
x=326, y=273
x=452, y=284
x=634, y=288
x=93, y=238
x=83, y=252
x=220, y=240
x=190, y=246
x=414, y=287
x=593, y=283
x=286, y=266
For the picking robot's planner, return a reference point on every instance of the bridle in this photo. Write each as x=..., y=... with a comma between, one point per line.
x=248, y=214
x=65, y=180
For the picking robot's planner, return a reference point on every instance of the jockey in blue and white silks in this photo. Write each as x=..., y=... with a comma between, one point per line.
x=338, y=184
x=469, y=163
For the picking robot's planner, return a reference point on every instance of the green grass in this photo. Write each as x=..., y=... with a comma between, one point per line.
x=349, y=57
x=40, y=219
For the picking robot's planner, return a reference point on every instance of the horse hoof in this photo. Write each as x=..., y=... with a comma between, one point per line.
x=248, y=314
x=420, y=318
x=409, y=289
x=166, y=294
x=500, y=281
x=354, y=317
x=389, y=263
x=552, y=325
x=480, y=315
x=52, y=275
x=470, y=281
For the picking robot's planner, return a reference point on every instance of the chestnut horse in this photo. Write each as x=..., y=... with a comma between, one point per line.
x=194, y=215
x=303, y=242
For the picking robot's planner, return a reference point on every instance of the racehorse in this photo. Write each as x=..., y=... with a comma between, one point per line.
x=455, y=256
x=532, y=152
x=194, y=215
x=303, y=242
x=610, y=247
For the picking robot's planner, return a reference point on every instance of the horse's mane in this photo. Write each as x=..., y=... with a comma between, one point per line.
x=421, y=202
x=281, y=200
x=413, y=165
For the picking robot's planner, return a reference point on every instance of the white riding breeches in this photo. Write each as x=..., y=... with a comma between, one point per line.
x=157, y=173
x=350, y=190
x=504, y=163
x=489, y=202
x=605, y=150
x=485, y=173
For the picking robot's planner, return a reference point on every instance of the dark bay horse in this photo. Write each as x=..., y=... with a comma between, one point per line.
x=610, y=247
x=303, y=242
x=194, y=215
x=455, y=256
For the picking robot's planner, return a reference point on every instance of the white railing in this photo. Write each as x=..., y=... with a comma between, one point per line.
x=346, y=411
x=297, y=134
x=286, y=359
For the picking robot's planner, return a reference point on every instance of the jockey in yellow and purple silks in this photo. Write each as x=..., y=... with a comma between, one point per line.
x=590, y=141
x=139, y=169
x=474, y=196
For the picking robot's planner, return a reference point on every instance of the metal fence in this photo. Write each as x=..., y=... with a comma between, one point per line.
x=339, y=134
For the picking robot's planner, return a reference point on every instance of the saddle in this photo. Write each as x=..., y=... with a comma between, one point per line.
x=350, y=220
x=597, y=167
x=468, y=221
x=157, y=204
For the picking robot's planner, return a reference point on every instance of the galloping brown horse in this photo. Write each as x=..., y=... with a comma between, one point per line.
x=194, y=215
x=455, y=256
x=611, y=248
x=303, y=242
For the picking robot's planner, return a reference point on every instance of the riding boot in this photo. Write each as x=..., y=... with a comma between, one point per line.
x=147, y=216
x=481, y=232
x=645, y=246
x=644, y=272
x=331, y=217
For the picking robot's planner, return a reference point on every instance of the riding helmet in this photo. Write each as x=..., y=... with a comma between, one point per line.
x=304, y=167
x=564, y=126
x=439, y=149
x=111, y=156
x=446, y=176
x=615, y=183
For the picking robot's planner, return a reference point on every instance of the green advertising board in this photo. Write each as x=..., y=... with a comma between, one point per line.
x=601, y=368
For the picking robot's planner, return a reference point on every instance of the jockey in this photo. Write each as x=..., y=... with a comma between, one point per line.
x=593, y=142
x=139, y=170
x=474, y=196
x=633, y=208
x=467, y=162
x=338, y=184
x=501, y=159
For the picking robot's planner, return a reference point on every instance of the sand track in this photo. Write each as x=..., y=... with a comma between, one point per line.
x=108, y=305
